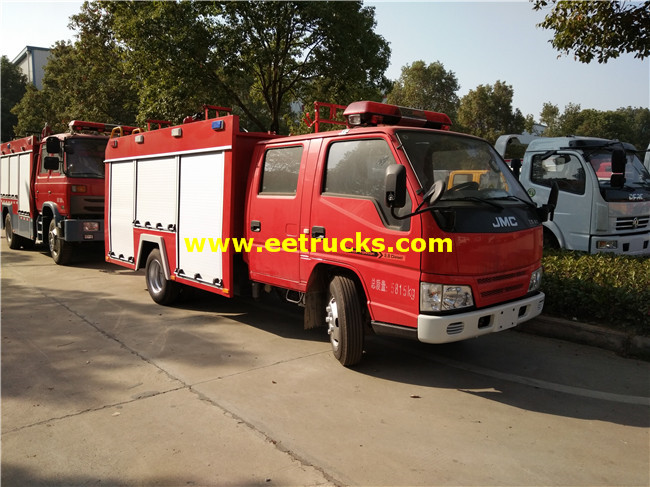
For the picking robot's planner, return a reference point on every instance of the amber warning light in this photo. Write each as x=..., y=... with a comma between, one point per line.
x=370, y=113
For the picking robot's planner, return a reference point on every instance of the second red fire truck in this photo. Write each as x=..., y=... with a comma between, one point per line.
x=356, y=225
x=52, y=188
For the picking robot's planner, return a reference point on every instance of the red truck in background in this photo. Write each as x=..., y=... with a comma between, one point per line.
x=52, y=188
x=356, y=225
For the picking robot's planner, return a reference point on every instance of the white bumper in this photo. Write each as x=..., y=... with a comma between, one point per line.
x=453, y=328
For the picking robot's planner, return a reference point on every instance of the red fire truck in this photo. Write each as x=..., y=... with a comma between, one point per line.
x=52, y=188
x=356, y=225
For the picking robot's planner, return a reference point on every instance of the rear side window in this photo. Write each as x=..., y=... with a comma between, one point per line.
x=280, y=172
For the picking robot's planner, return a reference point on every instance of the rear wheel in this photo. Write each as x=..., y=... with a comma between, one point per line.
x=345, y=321
x=15, y=241
x=12, y=240
x=60, y=250
x=161, y=290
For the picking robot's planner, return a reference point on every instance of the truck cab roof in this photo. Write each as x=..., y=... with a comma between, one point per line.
x=574, y=142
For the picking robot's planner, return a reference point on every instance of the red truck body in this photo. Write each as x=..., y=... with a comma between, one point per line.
x=314, y=211
x=55, y=196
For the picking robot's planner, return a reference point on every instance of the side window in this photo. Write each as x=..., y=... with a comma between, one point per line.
x=564, y=169
x=357, y=168
x=280, y=172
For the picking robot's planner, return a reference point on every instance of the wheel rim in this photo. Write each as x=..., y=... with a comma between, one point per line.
x=333, y=328
x=53, y=240
x=155, y=277
x=9, y=233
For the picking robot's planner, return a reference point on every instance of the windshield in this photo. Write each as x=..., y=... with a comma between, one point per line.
x=85, y=157
x=470, y=167
x=636, y=176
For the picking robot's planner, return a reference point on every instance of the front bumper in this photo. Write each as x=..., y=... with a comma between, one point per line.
x=453, y=328
x=73, y=231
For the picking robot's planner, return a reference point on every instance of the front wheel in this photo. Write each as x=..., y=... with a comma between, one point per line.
x=60, y=250
x=161, y=290
x=345, y=321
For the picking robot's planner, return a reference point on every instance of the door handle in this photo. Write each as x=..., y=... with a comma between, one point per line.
x=317, y=232
x=256, y=226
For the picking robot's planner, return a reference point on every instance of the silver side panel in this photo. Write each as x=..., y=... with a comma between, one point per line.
x=121, y=211
x=24, y=161
x=201, y=215
x=4, y=175
x=157, y=186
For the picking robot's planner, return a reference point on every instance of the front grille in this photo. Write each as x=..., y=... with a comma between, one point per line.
x=501, y=277
x=507, y=289
x=632, y=222
x=87, y=205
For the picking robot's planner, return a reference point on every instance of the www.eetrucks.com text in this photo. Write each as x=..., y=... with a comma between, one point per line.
x=304, y=244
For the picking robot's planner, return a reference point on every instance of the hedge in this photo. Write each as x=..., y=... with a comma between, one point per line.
x=604, y=289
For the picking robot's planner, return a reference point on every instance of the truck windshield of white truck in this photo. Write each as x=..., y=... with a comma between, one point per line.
x=636, y=176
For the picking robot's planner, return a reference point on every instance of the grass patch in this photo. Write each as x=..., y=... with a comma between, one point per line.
x=604, y=289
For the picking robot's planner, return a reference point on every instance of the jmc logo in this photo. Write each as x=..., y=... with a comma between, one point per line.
x=505, y=221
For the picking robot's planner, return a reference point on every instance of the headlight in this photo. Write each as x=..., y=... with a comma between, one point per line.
x=535, y=280
x=90, y=226
x=439, y=297
x=606, y=244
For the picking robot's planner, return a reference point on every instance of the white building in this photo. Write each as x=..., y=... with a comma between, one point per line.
x=31, y=62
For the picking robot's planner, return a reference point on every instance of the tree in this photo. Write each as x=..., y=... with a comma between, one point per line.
x=426, y=87
x=603, y=30
x=255, y=56
x=84, y=81
x=487, y=112
x=625, y=124
x=14, y=85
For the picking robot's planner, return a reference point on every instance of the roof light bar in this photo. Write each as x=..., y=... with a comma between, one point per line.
x=370, y=113
x=79, y=126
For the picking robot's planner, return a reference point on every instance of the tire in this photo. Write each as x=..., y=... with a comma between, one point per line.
x=161, y=290
x=60, y=250
x=344, y=317
x=13, y=240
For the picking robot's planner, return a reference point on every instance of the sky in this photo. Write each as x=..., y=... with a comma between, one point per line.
x=480, y=42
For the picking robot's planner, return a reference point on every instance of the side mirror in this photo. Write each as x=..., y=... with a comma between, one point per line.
x=51, y=163
x=395, y=186
x=619, y=159
x=547, y=212
x=52, y=145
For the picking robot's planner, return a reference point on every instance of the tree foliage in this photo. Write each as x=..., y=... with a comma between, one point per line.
x=255, y=56
x=625, y=124
x=598, y=29
x=426, y=87
x=86, y=80
x=487, y=112
x=14, y=86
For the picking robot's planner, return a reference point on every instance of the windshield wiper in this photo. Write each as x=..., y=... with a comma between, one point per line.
x=515, y=198
x=474, y=198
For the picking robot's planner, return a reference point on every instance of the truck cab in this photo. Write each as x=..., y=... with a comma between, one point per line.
x=604, y=193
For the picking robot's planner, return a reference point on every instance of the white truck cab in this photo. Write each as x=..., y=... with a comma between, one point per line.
x=604, y=193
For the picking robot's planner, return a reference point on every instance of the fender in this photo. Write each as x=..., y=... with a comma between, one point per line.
x=53, y=209
x=555, y=230
x=157, y=241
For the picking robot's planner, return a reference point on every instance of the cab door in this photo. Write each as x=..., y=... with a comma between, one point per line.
x=572, y=218
x=355, y=230
x=274, y=212
x=51, y=185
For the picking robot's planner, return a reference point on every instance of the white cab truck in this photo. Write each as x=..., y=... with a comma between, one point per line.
x=604, y=197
